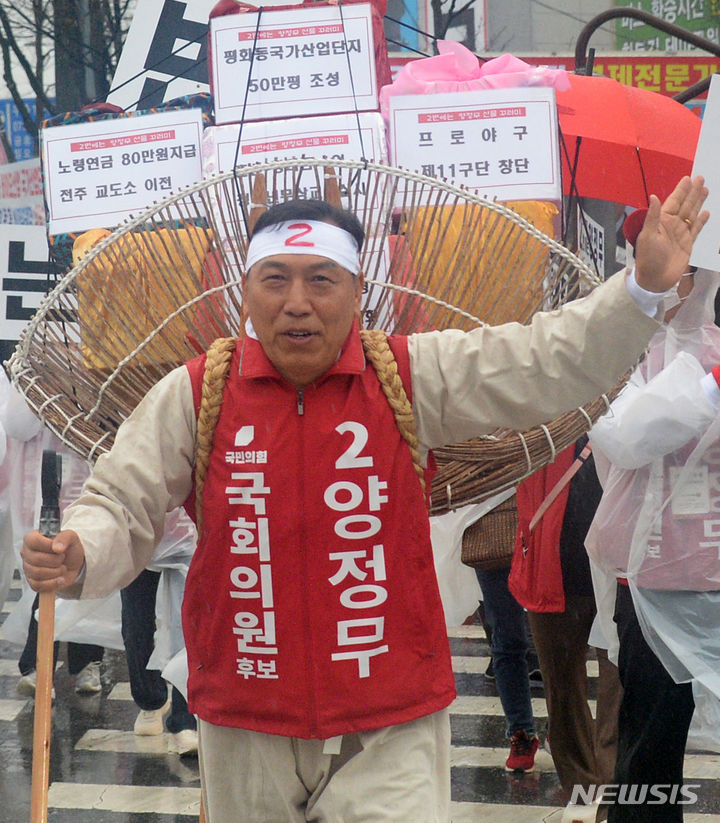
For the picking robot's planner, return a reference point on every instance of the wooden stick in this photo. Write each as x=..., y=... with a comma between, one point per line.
x=43, y=708
x=202, y=818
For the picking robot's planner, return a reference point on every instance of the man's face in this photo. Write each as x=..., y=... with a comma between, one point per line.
x=302, y=308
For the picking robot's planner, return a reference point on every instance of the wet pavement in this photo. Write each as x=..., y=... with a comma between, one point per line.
x=100, y=772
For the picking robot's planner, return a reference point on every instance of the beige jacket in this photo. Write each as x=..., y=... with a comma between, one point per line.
x=463, y=385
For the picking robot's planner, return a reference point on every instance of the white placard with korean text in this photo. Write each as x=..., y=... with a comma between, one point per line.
x=706, y=251
x=501, y=144
x=293, y=62
x=335, y=136
x=26, y=276
x=97, y=174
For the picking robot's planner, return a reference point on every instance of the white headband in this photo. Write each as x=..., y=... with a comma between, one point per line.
x=305, y=237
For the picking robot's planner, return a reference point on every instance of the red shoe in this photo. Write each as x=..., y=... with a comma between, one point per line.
x=522, y=753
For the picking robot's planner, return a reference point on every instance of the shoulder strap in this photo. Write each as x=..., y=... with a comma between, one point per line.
x=552, y=495
x=378, y=352
x=217, y=367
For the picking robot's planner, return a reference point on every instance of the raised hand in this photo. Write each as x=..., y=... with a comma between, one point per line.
x=663, y=247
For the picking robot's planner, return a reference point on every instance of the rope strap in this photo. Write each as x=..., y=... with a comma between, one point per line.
x=217, y=368
x=379, y=354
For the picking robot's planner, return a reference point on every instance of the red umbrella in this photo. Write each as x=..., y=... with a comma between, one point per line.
x=621, y=143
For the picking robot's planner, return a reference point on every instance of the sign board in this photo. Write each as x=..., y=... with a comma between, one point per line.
x=293, y=63
x=697, y=16
x=21, y=181
x=164, y=55
x=335, y=136
x=663, y=73
x=21, y=198
x=26, y=276
x=706, y=251
x=98, y=174
x=591, y=241
x=20, y=141
x=500, y=144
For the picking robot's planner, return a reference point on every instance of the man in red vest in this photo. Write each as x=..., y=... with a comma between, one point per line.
x=319, y=665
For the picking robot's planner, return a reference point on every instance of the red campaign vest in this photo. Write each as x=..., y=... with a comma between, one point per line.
x=535, y=578
x=311, y=605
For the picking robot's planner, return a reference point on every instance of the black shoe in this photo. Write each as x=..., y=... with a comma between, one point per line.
x=490, y=672
x=534, y=673
x=535, y=677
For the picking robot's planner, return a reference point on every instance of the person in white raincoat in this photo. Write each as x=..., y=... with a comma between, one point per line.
x=657, y=529
x=88, y=630
x=92, y=626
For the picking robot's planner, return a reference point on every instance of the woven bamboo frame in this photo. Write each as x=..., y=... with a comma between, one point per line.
x=436, y=256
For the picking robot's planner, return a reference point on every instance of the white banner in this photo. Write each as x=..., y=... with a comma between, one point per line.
x=292, y=63
x=25, y=268
x=500, y=144
x=98, y=174
x=706, y=251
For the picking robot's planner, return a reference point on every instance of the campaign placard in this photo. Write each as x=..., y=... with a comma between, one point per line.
x=337, y=137
x=706, y=251
x=292, y=63
x=500, y=144
x=97, y=174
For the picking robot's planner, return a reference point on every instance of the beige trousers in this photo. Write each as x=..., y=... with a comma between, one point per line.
x=392, y=775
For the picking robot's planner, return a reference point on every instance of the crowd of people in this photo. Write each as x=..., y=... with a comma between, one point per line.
x=612, y=554
x=312, y=586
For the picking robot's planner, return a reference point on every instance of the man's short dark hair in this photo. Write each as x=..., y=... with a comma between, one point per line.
x=312, y=210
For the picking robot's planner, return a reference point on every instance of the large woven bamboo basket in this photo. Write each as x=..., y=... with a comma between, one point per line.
x=163, y=286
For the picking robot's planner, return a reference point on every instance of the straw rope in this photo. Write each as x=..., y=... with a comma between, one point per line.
x=85, y=365
x=378, y=352
x=217, y=367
